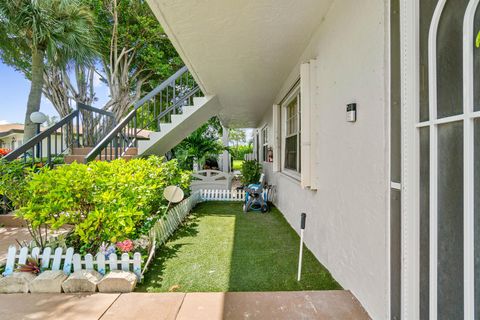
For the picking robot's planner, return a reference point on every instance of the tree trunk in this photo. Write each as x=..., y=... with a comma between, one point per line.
x=35, y=96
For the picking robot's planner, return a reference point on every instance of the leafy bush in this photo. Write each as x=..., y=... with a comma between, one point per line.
x=239, y=152
x=251, y=171
x=104, y=201
x=13, y=181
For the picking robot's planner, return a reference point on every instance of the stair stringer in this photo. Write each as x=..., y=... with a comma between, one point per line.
x=173, y=133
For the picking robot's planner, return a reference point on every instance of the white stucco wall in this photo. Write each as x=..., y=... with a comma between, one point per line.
x=7, y=143
x=347, y=216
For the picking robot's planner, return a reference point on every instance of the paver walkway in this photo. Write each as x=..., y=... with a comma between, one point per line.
x=181, y=306
x=8, y=237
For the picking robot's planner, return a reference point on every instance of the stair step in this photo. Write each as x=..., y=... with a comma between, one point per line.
x=170, y=134
x=199, y=101
x=187, y=110
x=80, y=158
x=86, y=150
x=164, y=127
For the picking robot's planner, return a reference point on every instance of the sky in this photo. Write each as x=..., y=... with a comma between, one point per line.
x=14, y=90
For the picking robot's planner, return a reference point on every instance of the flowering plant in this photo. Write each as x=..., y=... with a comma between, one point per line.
x=4, y=152
x=125, y=246
x=32, y=265
x=106, y=250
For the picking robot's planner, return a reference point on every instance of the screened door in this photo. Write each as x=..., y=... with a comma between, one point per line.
x=448, y=138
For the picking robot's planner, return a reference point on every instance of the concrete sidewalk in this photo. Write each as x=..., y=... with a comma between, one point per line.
x=181, y=306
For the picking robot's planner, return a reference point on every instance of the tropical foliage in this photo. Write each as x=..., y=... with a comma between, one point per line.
x=14, y=178
x=104, y=201
x=135, y=54
x=122, y=44
x=34, y=34
x=202, y=144
x=239, y=152
x=237, y=136
x=32, y=265
x=251, y=171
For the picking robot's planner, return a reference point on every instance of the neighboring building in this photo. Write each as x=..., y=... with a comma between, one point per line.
x=11, y=135
x=390, y=198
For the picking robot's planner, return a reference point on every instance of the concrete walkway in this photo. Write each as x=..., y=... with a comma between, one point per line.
x=8, y=237
x=181, y=306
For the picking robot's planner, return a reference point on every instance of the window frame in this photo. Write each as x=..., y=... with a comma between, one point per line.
x=264, y=141
x=294, y=94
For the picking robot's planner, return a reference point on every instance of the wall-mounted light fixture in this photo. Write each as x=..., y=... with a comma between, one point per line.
x=351, y=112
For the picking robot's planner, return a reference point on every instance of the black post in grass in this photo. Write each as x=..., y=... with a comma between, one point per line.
x=303, y=219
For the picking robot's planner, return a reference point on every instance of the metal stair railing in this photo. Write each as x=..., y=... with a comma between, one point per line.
x=148, y=113
x=83, y=127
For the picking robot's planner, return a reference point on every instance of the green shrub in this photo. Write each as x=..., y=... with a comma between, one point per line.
x=104, y=201
x=251, y=171
x=239, y=152
x=14, y=176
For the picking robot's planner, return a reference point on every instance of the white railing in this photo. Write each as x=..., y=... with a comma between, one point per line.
x=211, y=179
x=165, y=227
x=65, y=262
x=249, y=157
x=222, y=195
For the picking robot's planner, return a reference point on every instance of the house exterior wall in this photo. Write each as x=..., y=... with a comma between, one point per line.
x=347, y=216
x=16, y=140
x=12, y=141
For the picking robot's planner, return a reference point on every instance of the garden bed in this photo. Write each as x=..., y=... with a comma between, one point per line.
x=116, y=210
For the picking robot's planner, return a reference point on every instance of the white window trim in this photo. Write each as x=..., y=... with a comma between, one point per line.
x=264, y=142
x=410, y=158
x=295, y=92
x=309, y=106
x=276, y=138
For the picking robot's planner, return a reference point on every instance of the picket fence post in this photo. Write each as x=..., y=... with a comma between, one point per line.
x=65, y=261
x=222, y=195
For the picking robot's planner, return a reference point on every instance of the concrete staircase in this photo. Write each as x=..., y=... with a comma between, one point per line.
x=180, y=127
x=78, y=155
x=159, y=143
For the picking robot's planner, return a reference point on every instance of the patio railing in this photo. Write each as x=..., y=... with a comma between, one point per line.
x=157, y=107
x=83, y=127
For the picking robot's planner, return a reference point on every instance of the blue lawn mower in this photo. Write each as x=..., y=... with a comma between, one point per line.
x=256, y=197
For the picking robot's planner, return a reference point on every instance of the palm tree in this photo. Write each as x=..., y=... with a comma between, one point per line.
x=198, y=146
x=45, y=31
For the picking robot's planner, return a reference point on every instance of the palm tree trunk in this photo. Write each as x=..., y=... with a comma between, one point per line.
x=35, y=96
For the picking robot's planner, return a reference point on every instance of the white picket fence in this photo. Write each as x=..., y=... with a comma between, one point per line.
x=249, y=157
x=222, y=195
x=166, y=226
x=60, y=261
x=211, y=179
x=159, y=234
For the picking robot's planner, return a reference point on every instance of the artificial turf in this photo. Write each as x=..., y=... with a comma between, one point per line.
x=220, y=248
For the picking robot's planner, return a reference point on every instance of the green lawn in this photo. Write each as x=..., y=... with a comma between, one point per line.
x=220, y=248
x=237, y=164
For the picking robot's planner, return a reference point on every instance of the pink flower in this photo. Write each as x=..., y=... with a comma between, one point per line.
x=125, y=246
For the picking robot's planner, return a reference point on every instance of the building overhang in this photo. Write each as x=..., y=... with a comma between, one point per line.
x=241, y=51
